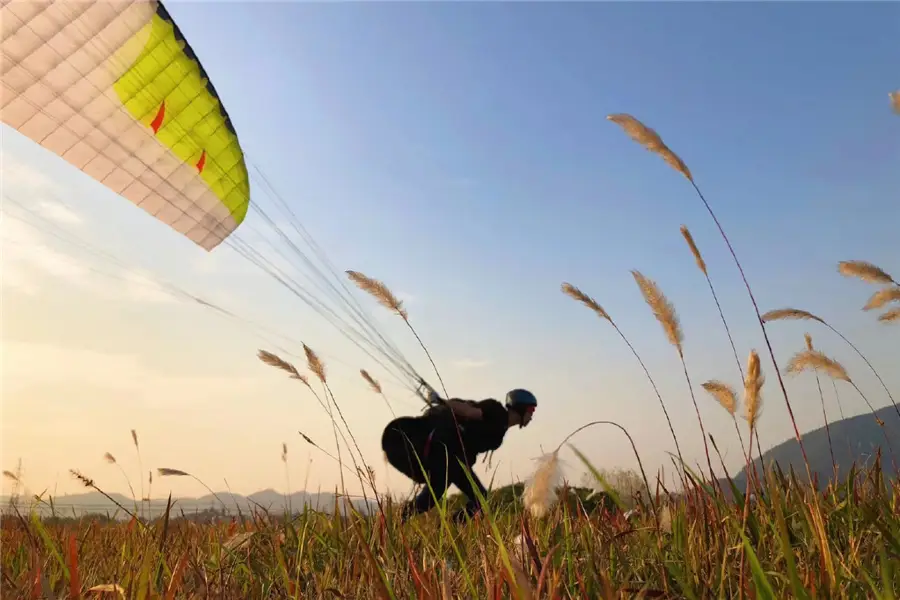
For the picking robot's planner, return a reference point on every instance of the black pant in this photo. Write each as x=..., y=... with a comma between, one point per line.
x=406, y=438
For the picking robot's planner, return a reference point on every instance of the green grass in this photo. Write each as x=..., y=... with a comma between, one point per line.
x=577, y=551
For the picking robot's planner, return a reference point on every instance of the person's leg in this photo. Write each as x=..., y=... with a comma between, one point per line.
x=436, y=466
x=460, y=479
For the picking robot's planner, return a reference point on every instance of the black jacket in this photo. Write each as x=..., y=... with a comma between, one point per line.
x=478, y=435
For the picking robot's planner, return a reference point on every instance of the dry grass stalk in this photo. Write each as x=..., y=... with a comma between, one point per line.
x=573, y=292
x=694, y=250
x=781, y=314
x=815, y=360
x=723, y=393
x=314, y=363
x=753, y=383
x=84, y=479
x=891, y=316
x=793, y=313
x=865, y=271
x=11, y=476
x=109, y=458
x=376, y=387
x=895, y=101
x=648, y=136
x=383, y=294
x=134, y=438
x=649, y=139
x=662, y=309
x=809, y=347
x=379, y=291
x=883, y=297
x=283, y=452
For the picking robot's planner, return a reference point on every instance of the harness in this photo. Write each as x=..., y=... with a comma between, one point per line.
x=426, y=450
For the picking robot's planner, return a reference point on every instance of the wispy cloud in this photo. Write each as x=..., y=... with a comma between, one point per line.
x=25, y=249
x=29, y=366
x=141, y=287
x=56, y=211
x=29, y=257
x=470, y=363
x=24, y=177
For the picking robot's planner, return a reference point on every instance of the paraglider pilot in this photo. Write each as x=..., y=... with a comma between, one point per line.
x=449, y=432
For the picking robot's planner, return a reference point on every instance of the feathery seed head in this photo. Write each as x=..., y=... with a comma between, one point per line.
x=379, y=291
x=665, y=519
x=376, y=387
x=815, y=360
x=575, y=293
x=166, y=472
x=865, y=271
x=781, y=314
x=134, y=438
x=891, y=316
x=649, y=139
x=273, y=360
x=11, y=476
x=895, y=101
x=662, y=309
x=723, y=393
x=883, y=297
x=753, y=382
x=694, y=250
x=109, y=458
x=808, y=338
x=315, y=365
x=84, y=479
x=540, y=491
x=307, y=439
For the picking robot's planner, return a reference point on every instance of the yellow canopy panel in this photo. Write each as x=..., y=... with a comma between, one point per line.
x=114, y=88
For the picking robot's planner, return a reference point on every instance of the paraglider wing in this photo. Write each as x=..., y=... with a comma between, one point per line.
x=115, y=89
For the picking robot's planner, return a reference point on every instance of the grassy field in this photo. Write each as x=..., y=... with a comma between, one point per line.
x=796, y=543
x=794, y=540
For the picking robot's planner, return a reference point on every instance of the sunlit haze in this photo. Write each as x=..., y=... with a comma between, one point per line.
x=461, y=154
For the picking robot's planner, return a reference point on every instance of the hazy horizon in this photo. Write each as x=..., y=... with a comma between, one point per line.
x=441, y=149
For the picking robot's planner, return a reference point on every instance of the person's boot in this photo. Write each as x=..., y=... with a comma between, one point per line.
x=471, y=509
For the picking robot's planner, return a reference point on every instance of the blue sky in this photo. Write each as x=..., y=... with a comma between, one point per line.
x=461, y=153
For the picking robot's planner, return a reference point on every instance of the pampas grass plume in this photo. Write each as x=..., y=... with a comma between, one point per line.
x=540, y=492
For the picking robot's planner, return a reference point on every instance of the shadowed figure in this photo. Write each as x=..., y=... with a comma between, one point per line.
x=433, y=446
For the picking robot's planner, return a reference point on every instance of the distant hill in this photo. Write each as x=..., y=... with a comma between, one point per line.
x=77, y=505
x=856, y=439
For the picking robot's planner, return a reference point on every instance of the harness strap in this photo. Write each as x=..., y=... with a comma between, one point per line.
x=427, y=448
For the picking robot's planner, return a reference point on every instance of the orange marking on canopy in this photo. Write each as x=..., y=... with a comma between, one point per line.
x=156, y=123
